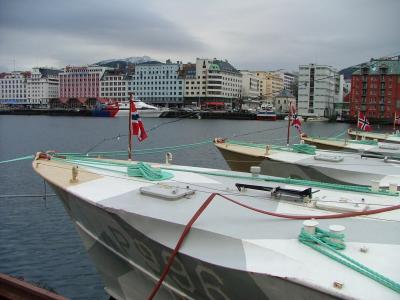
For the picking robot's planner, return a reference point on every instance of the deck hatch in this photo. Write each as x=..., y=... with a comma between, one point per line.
x=166, y=192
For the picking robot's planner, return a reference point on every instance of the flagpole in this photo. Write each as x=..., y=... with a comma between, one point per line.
x=358, y=118
x=288, y=127
x=130, y=129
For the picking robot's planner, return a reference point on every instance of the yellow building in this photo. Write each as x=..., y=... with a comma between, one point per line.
x=271, y=84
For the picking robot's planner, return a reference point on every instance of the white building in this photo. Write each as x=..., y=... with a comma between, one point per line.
x=114, y=85
x=250, y=85
x=318, y=90
x=211, y=80
x=42, y=86
x=157, y=83
x=13, y=87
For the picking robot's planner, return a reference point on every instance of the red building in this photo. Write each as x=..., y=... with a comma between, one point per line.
x=79, y=85
x=375, y=90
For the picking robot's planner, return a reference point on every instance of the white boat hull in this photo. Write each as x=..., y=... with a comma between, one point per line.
x=130, y=263
x=352, y=170
x=231, y=252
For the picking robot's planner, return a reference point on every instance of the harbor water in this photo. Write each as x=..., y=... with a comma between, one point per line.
x=37, y=240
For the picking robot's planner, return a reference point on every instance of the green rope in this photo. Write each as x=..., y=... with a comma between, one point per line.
x=322, y=242
x=351, y=188
x=299, y=148
x=133, y=170
x=138, y=151
x=365, y=142
x=332, y=186
x=304, y=148
x=341, y=134
x=17, y=159
x=145, y=170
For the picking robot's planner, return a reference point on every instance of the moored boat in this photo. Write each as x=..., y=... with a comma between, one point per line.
x=370, y=135
x=109, y=110
x=266, y=115
x=247, y=240
x=145, y=110
x=363, y=146
x=305, y=162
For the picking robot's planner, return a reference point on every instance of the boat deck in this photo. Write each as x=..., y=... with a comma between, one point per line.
x=374, y=168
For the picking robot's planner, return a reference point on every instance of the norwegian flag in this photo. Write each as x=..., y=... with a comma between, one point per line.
x=363, y=122
x=396, y=119
x=294, y=117
x=136, y=122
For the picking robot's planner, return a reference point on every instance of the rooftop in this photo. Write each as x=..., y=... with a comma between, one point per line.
x=379, y=66
x=49, y=72
x=286, y=94
x=224, y=66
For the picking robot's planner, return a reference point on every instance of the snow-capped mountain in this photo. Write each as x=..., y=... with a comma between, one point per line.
x=131, y=60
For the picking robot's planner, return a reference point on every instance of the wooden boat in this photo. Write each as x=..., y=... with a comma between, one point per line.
x=306, y=162
x=370, y=135
x=363, y=146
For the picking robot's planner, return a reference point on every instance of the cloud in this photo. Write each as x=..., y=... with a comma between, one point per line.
x=257, y=34
x=68, y=29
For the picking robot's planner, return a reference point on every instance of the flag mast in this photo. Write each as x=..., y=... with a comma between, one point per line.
x=130, y=129
x=288, y=126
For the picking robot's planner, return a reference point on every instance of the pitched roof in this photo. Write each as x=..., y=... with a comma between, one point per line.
x=286, y=94
x=46, y=72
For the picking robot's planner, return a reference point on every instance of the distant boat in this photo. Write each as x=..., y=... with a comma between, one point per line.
x=370, y=135
x=266, y=113
x=108, y=110
x=145, y=110
x=300, y=118
x=363, y=146
x=305, y=162
x=315, y=119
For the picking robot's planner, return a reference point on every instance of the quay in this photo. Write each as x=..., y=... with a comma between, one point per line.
x=49, y=112
x=228, y=115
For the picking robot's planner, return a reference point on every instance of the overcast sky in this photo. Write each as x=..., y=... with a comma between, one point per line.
x=259, y=34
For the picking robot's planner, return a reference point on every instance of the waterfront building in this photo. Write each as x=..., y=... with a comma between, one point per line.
x=288, y=79
x=250, y=85
x=271, y=84
x=13, y=88
x=211, y=82
x=282, y=101
x=158, y=83
x=114, y=85
x=80, y=85
x=42, y=86
x=375, y=89
x=318, y=90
